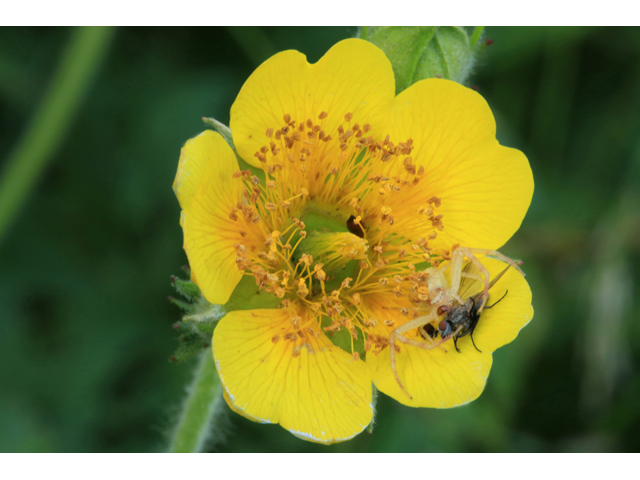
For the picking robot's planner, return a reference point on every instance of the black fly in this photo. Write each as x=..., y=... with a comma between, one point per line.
x=462, y=320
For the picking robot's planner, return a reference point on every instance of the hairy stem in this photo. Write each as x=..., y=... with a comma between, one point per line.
x=203, y=401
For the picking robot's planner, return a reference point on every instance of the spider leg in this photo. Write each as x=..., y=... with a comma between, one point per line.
x=471, y=252
x=423, y=345
x=493, y=253
x=392, y=355
x=457, y=257
x=485, y=273
x=398, y=334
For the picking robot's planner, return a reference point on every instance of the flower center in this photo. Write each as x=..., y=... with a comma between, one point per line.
x=341, y=226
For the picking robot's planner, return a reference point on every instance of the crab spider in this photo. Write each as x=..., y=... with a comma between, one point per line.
x=447, y=297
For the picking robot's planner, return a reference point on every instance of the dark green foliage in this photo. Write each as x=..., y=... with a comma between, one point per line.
x=85, y=325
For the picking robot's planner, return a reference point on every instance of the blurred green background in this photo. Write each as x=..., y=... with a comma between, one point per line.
x=85, y=325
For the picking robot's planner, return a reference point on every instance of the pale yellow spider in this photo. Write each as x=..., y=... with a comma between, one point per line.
x=444, y=295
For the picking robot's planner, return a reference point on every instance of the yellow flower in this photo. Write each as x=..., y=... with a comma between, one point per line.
x=360, y=190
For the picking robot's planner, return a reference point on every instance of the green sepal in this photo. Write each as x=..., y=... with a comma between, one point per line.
x=225, y=131
x=342, y=338
x=186, y=288
x=186, y=307
x=192, y=342
x=374, y=404
x=247, y=296
x=201, y=318
x=417, y=53
x=205, y=314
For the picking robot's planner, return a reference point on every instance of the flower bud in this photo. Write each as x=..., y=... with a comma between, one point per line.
x=417, y=53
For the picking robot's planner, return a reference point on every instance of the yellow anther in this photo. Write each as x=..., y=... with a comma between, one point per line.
x=320, y=275
x=306, y=259
x=303, y=291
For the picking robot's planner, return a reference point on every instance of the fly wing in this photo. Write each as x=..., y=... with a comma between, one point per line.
x=472, y=281
x=491, y=283
x=497, y=277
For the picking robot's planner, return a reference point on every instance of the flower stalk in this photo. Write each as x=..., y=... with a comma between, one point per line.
x=203, y=402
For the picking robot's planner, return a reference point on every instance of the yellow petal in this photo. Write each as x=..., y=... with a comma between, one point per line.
x=443, y=377
x=207, y=193
x=354, y=76
x=500, y=325
x=322, y=395
x=485, y=188
x=438, y=378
